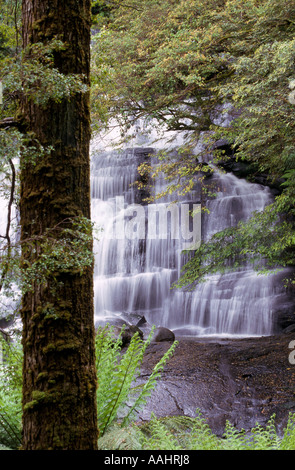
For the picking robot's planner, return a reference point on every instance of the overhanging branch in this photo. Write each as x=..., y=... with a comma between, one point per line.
x=9, y=122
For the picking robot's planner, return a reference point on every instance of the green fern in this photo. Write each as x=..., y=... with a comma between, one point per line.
x=179, y=433
x=139, y=395
x=233, y=439
x=117, y=373
x=195, y=434
x=10, y=394
x=160, y=437
x=201, y=436
x=288, y=439
x=117, y=437
x=265, y=438
x=259, y=438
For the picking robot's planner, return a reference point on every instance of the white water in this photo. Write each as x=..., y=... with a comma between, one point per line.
x=135, y=276
x=9, y=300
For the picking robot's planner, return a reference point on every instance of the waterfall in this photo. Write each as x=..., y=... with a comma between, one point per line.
x=134, y=273
x=139, y=249
x=9, y=296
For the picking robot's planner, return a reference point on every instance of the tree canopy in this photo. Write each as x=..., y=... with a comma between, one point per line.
x=185, y=63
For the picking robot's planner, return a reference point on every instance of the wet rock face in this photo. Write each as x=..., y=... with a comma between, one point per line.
x=245, y=169
x=244, y=381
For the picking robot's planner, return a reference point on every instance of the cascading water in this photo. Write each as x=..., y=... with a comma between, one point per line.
x=139, y=254
x=134, y=274
x=234, y=303
x=9, y=224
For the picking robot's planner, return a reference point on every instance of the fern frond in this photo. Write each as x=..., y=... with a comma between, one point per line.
x=288, y=439
x=201, y=437
x=259, y=438
x=119, y=382
x=10, y=394
x=117, y=373
x=159, y=437
x=150, y=384
x=118, y=438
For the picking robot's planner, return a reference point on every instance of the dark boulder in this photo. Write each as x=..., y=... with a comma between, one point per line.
x=128, y=332
x=163, y=334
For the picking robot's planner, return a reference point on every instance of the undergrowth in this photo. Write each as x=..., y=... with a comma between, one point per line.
x=119, y=397
x=10, y=394
x=186, y=433
x=118, y=394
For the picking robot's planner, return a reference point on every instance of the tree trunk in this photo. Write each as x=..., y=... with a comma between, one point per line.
x=59, y=377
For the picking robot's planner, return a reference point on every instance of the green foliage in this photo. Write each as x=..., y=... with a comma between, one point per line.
x=101, y=11
x=35, y=75
x=10, y=26
x=161, y=437
x=117, y=437
x=61, y=249
x=288, y=439
x=179, y=433
x=180, y=63
x=117, y=374
x=244, y=243
x=164, y=59
x=186, y=433
x=260, y=438
x=10, y=393
x=116, y=387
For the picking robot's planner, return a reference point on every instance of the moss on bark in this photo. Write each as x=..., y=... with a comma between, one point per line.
x=59, y=391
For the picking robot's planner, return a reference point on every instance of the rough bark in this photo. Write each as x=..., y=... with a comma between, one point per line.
x=59, y=379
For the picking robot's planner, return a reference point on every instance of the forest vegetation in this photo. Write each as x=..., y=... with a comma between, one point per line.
x=182, y=64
